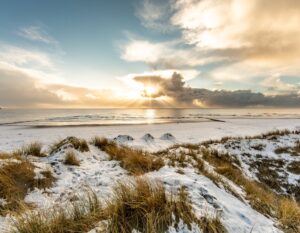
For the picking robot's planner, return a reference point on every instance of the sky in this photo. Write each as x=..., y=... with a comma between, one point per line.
x=149, y=53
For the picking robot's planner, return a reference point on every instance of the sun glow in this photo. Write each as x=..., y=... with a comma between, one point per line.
x=149, y=91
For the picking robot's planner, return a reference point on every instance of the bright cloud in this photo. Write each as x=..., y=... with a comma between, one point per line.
x=275, y=85
x=243, y=39
x=166, y=55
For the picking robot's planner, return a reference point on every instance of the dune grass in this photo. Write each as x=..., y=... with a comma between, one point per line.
x=193, y=157
x=135, y=161
x=142, y=205
x=297, y=146
x=34, y=149
x=76, y=143
x=16, y=179
x=102, y=142
x=260, y=197
x=80, y=216
x=70, y=159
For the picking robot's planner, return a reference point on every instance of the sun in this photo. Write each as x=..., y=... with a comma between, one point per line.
x=149, y=91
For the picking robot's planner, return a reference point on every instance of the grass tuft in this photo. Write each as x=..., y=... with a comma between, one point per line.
x=135, y=161
x=289, y=215
x=260, y=197
x=102, y=142
x=70, y=159
x=297, y=147
x=294, y=167
x=34, y=149
x=76, y=143
x=282, y=150
x=16, y=179
x=80, y=216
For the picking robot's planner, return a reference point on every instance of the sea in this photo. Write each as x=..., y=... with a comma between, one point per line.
x=93, y=117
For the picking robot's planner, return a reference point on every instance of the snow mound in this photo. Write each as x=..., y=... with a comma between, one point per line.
x=148, y=137
x=167, y=136
x=123, y=138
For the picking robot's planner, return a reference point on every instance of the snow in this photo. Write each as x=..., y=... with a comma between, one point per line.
x=208, y=199
x=99, y=173
x=14, y=137
x=247, y=153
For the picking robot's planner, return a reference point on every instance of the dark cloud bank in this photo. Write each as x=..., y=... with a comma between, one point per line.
x=175, y=88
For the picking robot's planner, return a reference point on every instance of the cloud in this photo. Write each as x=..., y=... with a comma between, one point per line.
x=154, y=13
x=275, y=85
x=230, y=40
x=34, y=63
x=266, y=32
x=165, y=55
x=166, y=74
x=22, y=57
x=29, y=78
x=36, y=33
x=181, y=95
x=19, y=89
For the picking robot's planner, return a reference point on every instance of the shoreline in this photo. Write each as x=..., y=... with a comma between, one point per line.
x=205, y=120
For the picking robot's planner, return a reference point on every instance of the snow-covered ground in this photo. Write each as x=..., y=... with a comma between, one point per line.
x=12, y=137
x=99, y=173
x=273, y=160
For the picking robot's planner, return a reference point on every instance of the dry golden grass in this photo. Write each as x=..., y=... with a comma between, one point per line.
x=81, y=216
x=211, y=225
x=282, y=150
x=102, y=142
x=70, y=159
x=297, y=147
x=192, y=158
x=16, y=179
x=274, y=133
x=4, y=156
x=135, y=161
x=294, y=167
x=144, y=206
x=34, y=149
x=289, y=215
x=141, y=205
x=178, y=160
x=260, y=197
x=76, y=143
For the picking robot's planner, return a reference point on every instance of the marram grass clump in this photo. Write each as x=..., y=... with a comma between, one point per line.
x=34, y=149
x=71, y=159
x=136, y=161
x=69, y=142
x=141, y=205
x=17, y=178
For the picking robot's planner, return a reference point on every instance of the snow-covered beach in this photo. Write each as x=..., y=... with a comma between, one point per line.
x=99, y=172
x=13, y=137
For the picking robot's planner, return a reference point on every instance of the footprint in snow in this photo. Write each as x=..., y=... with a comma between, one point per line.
x=203, y=191
x=209, y=198
x=212, y=200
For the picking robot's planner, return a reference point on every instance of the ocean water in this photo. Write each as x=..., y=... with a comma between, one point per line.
x=69, y=117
